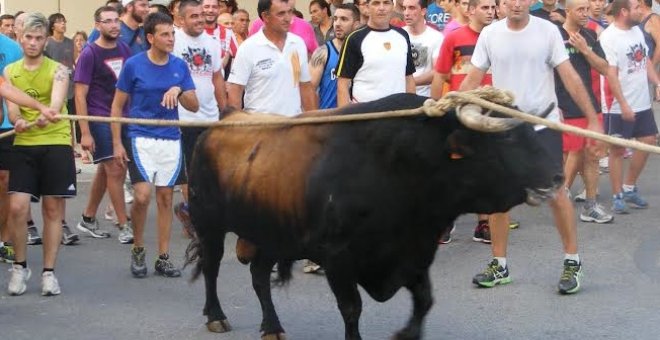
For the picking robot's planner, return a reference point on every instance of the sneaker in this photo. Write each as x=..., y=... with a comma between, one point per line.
x=493, y=275
x=138, y=265
x=633, y=198
x=182, y=214
x=92, y=228
x=310, y=267
x=604, y=165
x=128, y=193
x=68, y=237
x=33, y=235
x=512, y=225
x=7, y=253
x=619, y=205
x=595, y=214
x=446, y=237
x=581, y=197
x=482, y=232
x=18, y=280
x=109, y=214
x=165, y=267
x=49, y=284
x=125, y=234
x=628, y=153
x=570, y=277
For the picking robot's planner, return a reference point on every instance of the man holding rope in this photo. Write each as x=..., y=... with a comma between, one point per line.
x=630, y=114
x=42, y=162
x=156, y=82
x=526, y=45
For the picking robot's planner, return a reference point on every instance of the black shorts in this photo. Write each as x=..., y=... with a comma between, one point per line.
x=552, y=142
x=43, y=170
x=188, y=140
x=643, y=125
x=6, y=147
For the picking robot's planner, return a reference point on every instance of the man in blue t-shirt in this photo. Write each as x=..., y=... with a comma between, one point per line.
x=156, y=82
x=131, y=33
x=10, y=51
x=438, y=13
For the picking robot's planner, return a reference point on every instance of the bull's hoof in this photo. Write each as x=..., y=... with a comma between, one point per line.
x=406, y=335
x=245, y=251
x=218, y=326
x=275, y=336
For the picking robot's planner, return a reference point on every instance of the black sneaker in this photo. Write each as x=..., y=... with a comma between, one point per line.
x=92, y=228
x=138, y=265
x=569, y=283
x=33, y=234
x=165, y=267
x=493, y=275
x=482, y=232
x=68, y=237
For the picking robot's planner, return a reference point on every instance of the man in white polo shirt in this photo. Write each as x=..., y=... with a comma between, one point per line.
x=271, y=67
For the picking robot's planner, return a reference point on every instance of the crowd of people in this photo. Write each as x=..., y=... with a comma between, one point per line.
x=597, y=61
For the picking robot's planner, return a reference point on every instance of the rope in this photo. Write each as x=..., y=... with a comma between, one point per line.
x=486, y=97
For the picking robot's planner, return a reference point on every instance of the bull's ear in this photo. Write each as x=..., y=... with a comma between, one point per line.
x=458, y=145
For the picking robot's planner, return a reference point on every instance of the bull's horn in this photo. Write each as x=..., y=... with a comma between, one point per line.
x=470, y=115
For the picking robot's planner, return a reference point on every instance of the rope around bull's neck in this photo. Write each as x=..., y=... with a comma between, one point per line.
x=487, y=97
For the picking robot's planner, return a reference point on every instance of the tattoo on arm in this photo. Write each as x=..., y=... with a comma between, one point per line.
x=62, y=73
x=319, y=56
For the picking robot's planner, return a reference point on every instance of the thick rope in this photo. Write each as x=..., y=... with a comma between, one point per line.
x=487, y=97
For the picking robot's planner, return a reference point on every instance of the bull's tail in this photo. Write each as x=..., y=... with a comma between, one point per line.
x=283, y=272
x=193, y=255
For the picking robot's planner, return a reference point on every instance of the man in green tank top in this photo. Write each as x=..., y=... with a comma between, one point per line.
x=42, y=166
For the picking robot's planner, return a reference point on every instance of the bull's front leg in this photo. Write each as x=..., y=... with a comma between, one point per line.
x=212, y=254
x=420, y=289
x=260, y=268
x=344, y=287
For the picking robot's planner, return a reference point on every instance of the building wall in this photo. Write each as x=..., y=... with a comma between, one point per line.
x=79, y=12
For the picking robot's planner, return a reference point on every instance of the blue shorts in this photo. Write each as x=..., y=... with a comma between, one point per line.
x=643, y=126
x=102, y=141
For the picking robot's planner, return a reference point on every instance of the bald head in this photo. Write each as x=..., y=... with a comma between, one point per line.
x=576, y=3
x=18, y=25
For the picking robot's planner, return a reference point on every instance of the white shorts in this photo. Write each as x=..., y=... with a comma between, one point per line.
x=157, y=161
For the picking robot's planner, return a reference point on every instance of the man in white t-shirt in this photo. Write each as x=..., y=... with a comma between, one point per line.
x=202, y=55
x=522, y=52
x=425, y=43
x=376, y=60
x=271, y=67
x=630, y=114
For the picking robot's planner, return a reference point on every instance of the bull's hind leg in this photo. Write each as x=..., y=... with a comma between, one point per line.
x=344, y=287
x=260, y=268
x=422, y=302
x=213, y=251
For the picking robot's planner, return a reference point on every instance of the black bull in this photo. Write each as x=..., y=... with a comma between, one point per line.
x=366, y=200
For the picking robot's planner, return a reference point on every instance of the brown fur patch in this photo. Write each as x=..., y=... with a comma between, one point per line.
x=267, y=166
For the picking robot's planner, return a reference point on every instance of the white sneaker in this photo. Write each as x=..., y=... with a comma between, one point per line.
x=18, y=280
x=125, y=234
x=581, y=197
x=128, y=195
x=49, y=284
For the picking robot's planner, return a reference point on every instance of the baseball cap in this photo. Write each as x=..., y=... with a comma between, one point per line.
x=126, y=2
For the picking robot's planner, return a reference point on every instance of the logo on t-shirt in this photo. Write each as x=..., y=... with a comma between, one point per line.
x=387, y=45
x=420, y=55
x=115, y=65
x=199, y=61
x=636, y=58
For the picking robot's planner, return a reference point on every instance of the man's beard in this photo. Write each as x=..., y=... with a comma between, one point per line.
x=137, y=18
x=109, y=37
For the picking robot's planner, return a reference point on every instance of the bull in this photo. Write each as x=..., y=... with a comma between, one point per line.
x=366, y=200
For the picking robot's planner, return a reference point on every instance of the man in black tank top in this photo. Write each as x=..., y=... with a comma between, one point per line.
x=650, y=26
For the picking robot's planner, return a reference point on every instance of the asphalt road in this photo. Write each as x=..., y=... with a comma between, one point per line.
x=619, y=299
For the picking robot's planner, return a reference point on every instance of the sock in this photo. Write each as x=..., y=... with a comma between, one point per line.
x=137, y=249
x=30, y=223
x=165, y=256
x=574, y=257
x=501, y=261
x=589, y=203
x=22, y=264
x=2, y=244
x=88, y=219
x=628, y=188
x=47, y=270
